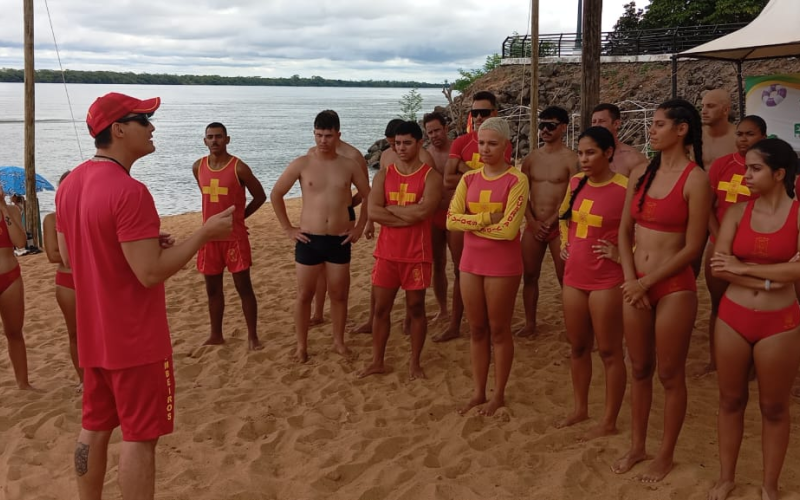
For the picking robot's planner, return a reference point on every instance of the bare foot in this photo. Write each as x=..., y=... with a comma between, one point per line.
x=314, y=321
x=373, y=369
x=526, y=331
x=415, y=372
x=26, y=387
x=571, y=419
x=598, y=431
x=79, y=388
x=254, y=344
x=721, y=490
x=475, y=401
x=300, y=356
x=343, y=351
x=705, y=370
x=656, y=471
x=365, y=328
x=769, y=493
x=627, y=462
x=214, y=340
x=449, y=334
x=491, y=407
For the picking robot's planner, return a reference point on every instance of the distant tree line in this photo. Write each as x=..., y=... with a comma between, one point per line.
x=118, y=78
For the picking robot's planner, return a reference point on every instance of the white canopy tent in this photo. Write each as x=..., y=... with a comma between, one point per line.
x=773, y=34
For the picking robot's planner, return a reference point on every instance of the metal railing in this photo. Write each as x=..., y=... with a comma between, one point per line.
x=633, y=43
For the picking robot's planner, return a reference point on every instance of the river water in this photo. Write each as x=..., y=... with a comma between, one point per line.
x=269, y=126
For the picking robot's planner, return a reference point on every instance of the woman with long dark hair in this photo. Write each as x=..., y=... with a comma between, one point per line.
x=759, y=317
x=592, y=297
x=665, y=218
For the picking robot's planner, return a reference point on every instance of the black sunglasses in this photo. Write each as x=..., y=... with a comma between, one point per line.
x=480, y=112
x=548, y=125
x=141, y=119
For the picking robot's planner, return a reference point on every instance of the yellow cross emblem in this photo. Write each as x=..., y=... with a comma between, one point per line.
x=214, y=190
x=485, y=204
x=403, y=197
x=584, y=218
x=475, y=163
x=734, y=188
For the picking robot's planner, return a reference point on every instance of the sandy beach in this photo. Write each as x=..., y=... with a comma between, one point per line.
x=258, y=426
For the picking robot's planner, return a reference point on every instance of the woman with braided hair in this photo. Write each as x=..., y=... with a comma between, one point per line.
x=590, y=216
x=665, y=218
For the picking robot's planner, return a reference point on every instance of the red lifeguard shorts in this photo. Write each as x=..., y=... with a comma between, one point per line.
x=215, y=256
x=65, y=280
x=405, y=275
x=140, y=400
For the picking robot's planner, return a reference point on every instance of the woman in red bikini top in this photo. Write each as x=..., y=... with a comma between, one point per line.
x=666, y=208
x=65, y=287
x=759, y=318
x=12, y=299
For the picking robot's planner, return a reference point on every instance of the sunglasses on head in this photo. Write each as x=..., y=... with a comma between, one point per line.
x=141, y=119
x=548, y=125
x=480, y=112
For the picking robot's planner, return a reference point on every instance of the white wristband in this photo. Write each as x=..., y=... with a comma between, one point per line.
x=767, y=285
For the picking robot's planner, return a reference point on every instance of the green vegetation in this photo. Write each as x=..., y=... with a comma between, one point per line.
x=410, y=105
x=469, y=77
x=672, y=13
x=116, y=78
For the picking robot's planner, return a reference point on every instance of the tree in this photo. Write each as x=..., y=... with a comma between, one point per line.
x=674, y=13
x=410, y=105
x=469, y=77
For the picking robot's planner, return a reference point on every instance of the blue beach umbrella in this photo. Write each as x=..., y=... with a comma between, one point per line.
x=13, y=181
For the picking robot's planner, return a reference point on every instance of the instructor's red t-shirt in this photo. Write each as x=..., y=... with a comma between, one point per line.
x=121, y=323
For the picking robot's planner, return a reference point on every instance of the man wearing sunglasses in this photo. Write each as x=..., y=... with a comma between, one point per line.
x=549, y=169
x=108, y=233
x=224, y=180
x=464, y=157
x=626, y=158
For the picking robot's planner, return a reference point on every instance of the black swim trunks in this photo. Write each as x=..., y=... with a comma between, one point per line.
x=351, y=213
x=322, y=248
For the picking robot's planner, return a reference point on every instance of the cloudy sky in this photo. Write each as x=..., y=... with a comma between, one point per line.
x=424, y=40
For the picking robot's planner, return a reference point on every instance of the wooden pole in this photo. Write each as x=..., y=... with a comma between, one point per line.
x=534, y=137
x=590, y=59
x=31, y=201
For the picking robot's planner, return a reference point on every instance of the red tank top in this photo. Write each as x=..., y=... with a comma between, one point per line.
x=410, y=243
x=5, y=237
x=221, y=188
x=670, y=213
x=766, y=248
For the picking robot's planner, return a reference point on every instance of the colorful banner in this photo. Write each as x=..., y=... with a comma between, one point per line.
x=776, y=99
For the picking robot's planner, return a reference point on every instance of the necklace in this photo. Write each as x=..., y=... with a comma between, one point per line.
x=115, y=161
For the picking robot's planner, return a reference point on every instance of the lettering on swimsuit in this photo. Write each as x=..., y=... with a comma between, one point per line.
x=507, y=222
x=233, y=254
x=649, y=212
x=417, y=275
x=170, y=400
x=761, y=246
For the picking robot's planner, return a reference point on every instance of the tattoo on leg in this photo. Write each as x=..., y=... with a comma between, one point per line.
x=82, y=459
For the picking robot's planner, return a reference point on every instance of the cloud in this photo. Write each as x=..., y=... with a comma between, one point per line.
x=351, y=39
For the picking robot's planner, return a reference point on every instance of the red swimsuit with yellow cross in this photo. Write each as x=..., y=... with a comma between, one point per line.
x=726, y=176
x=222, y=188
x=596, y=214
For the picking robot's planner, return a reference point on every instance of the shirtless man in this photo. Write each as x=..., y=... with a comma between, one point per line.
x=719, y=135
x=436, y=129
x=549, y=169
x=403, y=200
x=348, y=151
x=325, y=233
x=626, y=158
x=223, y=180
x=388, y=157
x=464, y=157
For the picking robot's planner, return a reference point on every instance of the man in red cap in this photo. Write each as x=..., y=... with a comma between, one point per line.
x=108, y=232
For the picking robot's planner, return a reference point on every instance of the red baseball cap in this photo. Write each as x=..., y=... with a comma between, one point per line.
x=113, y=106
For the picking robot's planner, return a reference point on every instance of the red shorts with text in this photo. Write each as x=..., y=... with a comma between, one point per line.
x=140, y=400
x=405, y=275
x=215, y=256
